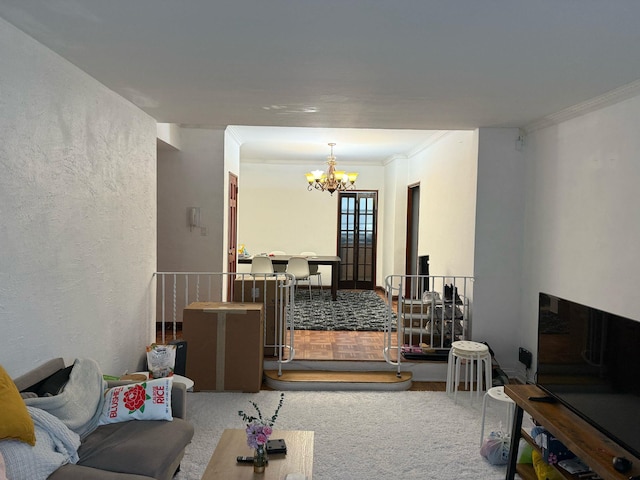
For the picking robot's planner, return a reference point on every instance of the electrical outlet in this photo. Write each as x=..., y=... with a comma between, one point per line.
x=525, y=357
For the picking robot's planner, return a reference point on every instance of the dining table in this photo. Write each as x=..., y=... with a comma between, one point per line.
x=330, y=260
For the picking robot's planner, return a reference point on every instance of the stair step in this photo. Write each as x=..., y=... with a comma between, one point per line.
x=333, y=380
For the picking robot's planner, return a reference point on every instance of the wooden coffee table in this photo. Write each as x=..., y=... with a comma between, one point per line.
x=233, y=443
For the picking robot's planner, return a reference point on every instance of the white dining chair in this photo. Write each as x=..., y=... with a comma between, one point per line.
x=261, y=264
x=299, y=268
x=278, y=267
x=313, y=269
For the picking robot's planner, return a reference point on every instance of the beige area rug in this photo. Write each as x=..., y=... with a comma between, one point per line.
x=359, y=435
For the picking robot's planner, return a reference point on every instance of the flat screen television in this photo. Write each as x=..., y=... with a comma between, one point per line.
x=589, y=360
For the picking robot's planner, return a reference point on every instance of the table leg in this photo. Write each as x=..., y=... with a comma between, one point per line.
x=515, y=442
x=335, y=276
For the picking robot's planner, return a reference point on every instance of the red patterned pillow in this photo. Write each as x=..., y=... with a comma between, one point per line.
x=149, y=400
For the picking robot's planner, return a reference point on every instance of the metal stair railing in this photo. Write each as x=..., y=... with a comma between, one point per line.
x=177, y=290
x=433, y=311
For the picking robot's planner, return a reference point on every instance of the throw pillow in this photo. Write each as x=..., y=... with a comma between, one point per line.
x=15, y=421
x=150, y=400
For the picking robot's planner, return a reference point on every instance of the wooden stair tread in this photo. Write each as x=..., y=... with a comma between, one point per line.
x=321, y=376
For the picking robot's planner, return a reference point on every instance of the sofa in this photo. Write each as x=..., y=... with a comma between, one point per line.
x=125, y=450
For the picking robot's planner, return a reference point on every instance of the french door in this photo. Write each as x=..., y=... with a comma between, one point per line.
x=357, y=239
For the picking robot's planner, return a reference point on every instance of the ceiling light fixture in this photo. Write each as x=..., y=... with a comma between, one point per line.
x=332, y=179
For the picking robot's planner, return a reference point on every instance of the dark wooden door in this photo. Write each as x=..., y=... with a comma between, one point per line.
x=357, y=239
x=413, y=216
x=232, y=235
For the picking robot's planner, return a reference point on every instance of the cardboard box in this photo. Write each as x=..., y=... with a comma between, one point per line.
x=267, y=292
x=225, y=345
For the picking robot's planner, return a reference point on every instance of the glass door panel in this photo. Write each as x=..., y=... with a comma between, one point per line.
x=357, y=239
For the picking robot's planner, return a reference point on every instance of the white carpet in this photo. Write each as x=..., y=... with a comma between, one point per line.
x=359, y=435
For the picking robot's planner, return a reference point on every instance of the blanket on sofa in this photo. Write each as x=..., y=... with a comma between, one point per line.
x=79, y=405
x=55, y=446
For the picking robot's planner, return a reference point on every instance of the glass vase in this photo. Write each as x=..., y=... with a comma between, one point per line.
x=260, y=459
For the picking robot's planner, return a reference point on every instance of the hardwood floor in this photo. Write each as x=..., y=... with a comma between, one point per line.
x=321, y=345
x=338, y=345
x=315, y=345
x=333, y=345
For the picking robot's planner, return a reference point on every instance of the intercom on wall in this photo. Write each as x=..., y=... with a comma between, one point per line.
x=194, y=217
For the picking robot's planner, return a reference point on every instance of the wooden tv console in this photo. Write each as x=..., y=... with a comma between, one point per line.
x=585, y=441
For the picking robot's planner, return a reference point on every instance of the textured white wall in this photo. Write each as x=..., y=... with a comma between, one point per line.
x=447, y=175
x=395, y=194
x=194, y=176
x=582, y=227
x=498, y=243
x=191, y=177
x=78, y=214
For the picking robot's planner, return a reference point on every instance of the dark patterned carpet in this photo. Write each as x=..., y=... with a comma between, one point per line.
x=353, y=310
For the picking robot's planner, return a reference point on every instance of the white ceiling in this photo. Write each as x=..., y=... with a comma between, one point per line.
x=370, y=64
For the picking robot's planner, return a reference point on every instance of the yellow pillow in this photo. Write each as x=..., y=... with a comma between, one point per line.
x=15, y=421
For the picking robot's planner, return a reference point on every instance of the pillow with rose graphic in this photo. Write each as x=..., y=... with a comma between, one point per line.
x=148, y=400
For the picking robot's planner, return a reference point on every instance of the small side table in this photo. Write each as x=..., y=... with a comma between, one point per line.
x=187, y=381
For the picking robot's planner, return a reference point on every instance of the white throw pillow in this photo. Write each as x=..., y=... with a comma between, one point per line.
x=149, y=400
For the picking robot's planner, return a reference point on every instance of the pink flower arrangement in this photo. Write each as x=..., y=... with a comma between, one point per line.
x=258, y=434
x=259, y=429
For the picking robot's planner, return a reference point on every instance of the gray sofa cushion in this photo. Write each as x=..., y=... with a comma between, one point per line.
x=78, y=472
x=140, y=447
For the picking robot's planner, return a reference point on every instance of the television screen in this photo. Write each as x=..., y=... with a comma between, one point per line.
x=590, y=361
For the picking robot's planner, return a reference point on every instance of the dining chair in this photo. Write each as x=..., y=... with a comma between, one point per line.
x=299, y=268
x=278, y=267
x=261, y=264
x=313, y=269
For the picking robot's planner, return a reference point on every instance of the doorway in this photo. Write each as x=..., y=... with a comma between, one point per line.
x=413, y=218
x=232, y=235
x=357, y=239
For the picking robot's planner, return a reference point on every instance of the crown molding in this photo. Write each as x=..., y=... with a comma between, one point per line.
x=320, y=164
x=432, y=140
x=609, y=98
x=260, y=161
x=393, y=158
x=437, y=136
x=234, y=134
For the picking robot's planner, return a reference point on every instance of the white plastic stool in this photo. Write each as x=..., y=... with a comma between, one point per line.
x=497, y=393
x=469, y=352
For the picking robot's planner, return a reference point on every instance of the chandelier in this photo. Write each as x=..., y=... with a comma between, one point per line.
x=332, y=179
